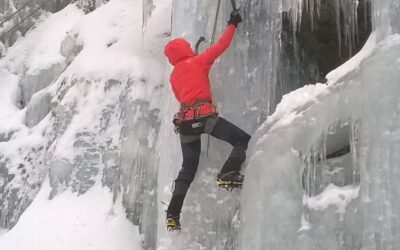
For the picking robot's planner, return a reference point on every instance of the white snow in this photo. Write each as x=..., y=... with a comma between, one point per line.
x=364, y=97
x=333, y=195
x=10, y=118
x=40, y=48
x=88, y=222
x=112, y=49
x=111, y=41
x=285, y=111
x=354, y=62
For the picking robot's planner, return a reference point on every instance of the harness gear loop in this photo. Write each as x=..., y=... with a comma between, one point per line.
x=198, y=109
x=193, y=115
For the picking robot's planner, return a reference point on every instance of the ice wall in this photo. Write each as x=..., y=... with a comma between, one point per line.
x=17, y=17
x=102, y=114
x=293, y=211
x=245, y=88
x=29, y=67
x=243, y=93
x=81, y=98
x=106, y=110
x=309, y=201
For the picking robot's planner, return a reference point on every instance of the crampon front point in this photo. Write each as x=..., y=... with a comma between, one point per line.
x=173, y=224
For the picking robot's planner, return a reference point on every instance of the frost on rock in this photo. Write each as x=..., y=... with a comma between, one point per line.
x=36, y=81
x=18, y=16
x=38, y=108
x=26, y=140
x=92, y=111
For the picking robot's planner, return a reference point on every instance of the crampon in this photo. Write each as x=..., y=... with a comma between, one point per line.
x=230, y=181
x=173, y=224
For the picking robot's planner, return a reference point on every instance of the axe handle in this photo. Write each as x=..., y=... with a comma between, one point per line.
x=234, y=5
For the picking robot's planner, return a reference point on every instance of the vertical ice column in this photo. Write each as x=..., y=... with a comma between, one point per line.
x=191, y=19
x=243, y=81
x=208, y=216
x=380, y=144
x=148, y=7
x=379, y=150
x=346, y=17
x=386, y=17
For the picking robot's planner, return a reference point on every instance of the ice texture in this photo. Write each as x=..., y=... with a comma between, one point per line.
x=294, y=196
x=18, y=16
x=24, y=151
x=85, y=103
x=83, y=107
x=245, y=90
x=92, y=221
x=288, y=158
x=281, y=211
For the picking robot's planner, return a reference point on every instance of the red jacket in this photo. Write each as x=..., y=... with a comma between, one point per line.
x=189, y=78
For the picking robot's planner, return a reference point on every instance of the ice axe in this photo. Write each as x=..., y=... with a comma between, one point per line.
x=234, y=7
x=233, y=2
x=201, y=39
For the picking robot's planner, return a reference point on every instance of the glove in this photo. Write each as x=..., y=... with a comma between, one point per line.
x=235, y=18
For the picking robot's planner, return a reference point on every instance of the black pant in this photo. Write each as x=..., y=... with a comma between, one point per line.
x=191, y=148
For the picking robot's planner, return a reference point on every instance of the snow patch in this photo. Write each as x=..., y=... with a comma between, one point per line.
x=353, y=62
x=40, y=49
x=333, y=195
x=111, y=41
x=87, y=222
x=285, y=111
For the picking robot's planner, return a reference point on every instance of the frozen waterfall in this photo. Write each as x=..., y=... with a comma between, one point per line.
x=88, y=154
x=310, y=163
x=347, y=201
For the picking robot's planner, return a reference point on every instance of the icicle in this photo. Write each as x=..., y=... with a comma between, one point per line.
x=312, y=14
x=366, y=8
x=148, y=8
x=318, y=8
x=299, y=11
x=306, y=6
x=338, y=26
x=354, y=149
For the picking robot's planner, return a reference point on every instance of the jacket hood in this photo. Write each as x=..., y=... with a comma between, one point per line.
x=177, y=50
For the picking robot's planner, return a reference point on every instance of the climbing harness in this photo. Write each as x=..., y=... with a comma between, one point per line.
x=191, y=119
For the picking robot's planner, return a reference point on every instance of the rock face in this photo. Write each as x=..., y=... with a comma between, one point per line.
x=16, y=18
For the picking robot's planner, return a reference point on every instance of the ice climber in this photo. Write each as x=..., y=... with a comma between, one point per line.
x=191, y=86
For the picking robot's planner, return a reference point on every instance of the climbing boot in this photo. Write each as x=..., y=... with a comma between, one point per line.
x=230, y=180
x=173, y=223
